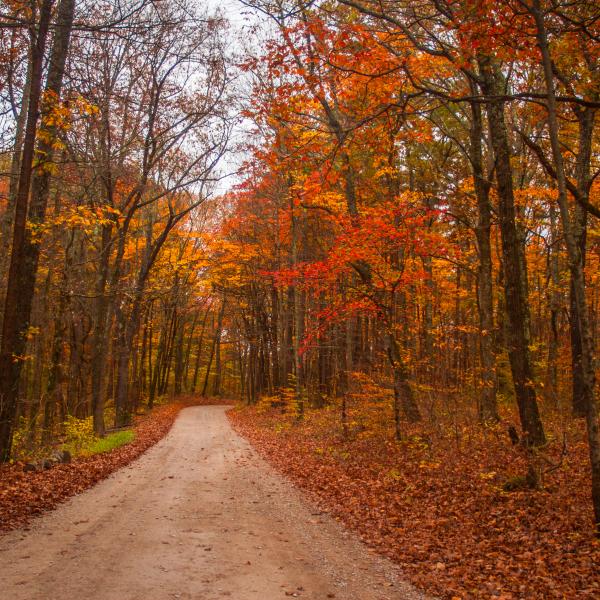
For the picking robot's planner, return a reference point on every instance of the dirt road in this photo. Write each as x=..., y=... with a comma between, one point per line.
x=201, y=517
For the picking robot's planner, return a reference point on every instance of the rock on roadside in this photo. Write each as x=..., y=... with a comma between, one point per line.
x=60, y=457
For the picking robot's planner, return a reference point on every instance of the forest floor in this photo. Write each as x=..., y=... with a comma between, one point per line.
x=198, y=516
x=435, y=502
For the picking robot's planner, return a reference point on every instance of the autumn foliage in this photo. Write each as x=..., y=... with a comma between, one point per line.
x=415, y=256
x=402, y=273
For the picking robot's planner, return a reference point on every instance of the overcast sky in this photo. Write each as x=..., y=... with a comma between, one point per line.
x=239, y=17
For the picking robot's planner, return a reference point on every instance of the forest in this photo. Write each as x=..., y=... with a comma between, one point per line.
x=372, y=223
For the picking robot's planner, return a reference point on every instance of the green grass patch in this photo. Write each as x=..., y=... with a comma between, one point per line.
x=110, y=442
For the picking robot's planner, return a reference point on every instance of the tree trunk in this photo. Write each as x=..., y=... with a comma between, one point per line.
x=576, y=267
x=188, y=353
x=585, y=118
x=199, y=350
x=179, y=354
x=554, y=305
x=100, y=334
x=403, y=396
x=298, y=321
x=514, y=278
x=16, y=305
x=488, y=408
x=216, y=388
x=213, y=347
x=7, y=222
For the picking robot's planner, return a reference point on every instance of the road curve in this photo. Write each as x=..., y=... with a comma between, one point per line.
x=199, y=516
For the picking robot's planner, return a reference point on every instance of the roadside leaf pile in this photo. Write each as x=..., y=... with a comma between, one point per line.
x=435, y=503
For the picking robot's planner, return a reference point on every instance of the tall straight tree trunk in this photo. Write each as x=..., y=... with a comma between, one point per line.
x=179, y=356
x=127, y=330
x=54, y=393
x=199, y=350
x=403, y=394
x=554, y=303
x=122, y=412
x=427, y=330
x=188, y=352
x=8, y=217
x=298, y=319
x=41, y=175
x=274, y=337
x=216, y=388
x=100, y=333
x=167, y=358
x=288, y=331
x=155, y=371
x=576, y=267
x=514, y=278
x=150, y=346
x=142, y=376
x=488, y=408
x=581, y=391
x=16, y=306
x=213, y=347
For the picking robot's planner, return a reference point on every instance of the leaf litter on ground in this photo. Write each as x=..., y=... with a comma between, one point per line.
x=434, y=502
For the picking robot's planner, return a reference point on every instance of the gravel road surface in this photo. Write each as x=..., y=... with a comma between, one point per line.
x=199, y=516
